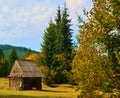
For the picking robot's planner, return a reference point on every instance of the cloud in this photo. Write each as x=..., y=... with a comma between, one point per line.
x=73, y=4
x=24, y=16
x=23, y=21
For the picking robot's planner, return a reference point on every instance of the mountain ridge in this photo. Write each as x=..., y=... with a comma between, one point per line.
x=21, y=51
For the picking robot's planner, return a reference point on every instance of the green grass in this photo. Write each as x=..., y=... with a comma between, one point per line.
x=61, y=91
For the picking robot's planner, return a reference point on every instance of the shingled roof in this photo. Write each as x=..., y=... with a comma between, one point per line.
x=25, y=68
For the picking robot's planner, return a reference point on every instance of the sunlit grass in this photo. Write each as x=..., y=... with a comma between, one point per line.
x=61, y=91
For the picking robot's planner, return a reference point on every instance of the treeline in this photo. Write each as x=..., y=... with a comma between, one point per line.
x=6, y=64
x=95, y=66
x=21, y=51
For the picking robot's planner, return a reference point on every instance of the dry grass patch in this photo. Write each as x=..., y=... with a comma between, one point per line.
x=60, y=91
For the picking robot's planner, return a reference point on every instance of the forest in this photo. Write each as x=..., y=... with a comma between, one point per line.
x=93, y=64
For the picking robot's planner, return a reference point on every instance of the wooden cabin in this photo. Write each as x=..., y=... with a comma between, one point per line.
x=25, y=75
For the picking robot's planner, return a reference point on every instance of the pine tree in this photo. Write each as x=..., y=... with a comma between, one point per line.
x=66, y=32
x=57, y=45
x=13, y=56
x=1, y=54
x=5, y=68
x=29, y=52
x=64, y=44
x=49, y=46
x=63, y=31
x=58, y=30
x=1, y=62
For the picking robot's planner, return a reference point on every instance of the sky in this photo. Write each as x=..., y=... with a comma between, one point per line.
x=22, y=22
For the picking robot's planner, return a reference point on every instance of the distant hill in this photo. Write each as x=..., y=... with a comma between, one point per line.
x=21, y=51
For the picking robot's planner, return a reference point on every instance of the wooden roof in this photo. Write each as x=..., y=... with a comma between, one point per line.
x=25, y=68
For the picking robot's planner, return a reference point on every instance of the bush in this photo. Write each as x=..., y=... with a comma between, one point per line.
x=49, y=75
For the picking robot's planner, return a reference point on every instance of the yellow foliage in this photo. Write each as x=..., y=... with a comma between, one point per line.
x=33, y=57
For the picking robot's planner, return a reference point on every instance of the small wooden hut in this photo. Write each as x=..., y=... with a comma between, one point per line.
x=25, y=75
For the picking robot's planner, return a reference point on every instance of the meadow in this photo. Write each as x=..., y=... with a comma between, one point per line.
x=60, y=91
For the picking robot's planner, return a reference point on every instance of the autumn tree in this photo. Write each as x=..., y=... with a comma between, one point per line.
x=106, y=14
x=96, y=66
x=33, y=57
x=88, y=65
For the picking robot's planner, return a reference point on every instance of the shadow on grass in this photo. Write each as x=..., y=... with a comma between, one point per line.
x=54, y=91
x=20, y=96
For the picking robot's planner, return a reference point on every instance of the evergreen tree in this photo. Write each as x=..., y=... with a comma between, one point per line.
x=57, y=45
x=66, y=32
x=5, y=68
x=1, y=54
x=64, y=44
x=49, y=46
x=63, y=31
x=58, y=30
x=1, y=62
x=13, y=56
x=29, y=52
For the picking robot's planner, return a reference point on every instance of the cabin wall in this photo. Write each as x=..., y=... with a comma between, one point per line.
x=15, y=83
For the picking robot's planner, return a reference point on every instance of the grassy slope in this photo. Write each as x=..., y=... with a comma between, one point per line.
x=62, y=91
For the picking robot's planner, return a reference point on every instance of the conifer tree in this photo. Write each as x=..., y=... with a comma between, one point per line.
x=13, y=56
x=66, y=32
x=1, y=54
x=1, y=62
x=64, y=44
x=63, y=31
x=58, y=29
x=29, y=52
x=49, y=46
x=57, y=45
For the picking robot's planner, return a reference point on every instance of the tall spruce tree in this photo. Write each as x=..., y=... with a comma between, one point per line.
x=63, y=31
x=57, y=45
x=13, y=56
x=49, y=46
x=64, y=44
x=28, y=52
x=58, y=30
x=3, y=64
x=66, y=32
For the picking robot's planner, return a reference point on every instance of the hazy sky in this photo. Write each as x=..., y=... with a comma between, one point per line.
x=22, y=22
